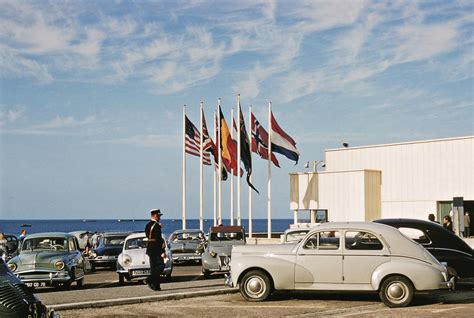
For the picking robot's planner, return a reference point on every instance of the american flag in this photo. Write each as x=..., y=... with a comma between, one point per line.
x=192, y=142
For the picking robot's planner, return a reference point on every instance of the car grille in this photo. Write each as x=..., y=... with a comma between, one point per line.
x=181, y=251
x=14, y=297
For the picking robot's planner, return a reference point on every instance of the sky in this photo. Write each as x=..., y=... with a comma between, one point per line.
x=92, y=93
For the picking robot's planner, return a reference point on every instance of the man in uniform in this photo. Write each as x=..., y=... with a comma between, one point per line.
x=155, y=249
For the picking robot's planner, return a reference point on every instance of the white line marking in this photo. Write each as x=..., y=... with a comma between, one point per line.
x=446, y=309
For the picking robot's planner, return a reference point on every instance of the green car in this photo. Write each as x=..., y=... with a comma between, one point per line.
x=49, y=259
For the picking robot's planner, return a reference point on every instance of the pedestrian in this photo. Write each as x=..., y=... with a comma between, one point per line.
x=22, y=235
x=447, y=223
x=431, y=217
x=155, y=249
x=95, y=239
x=467, y=224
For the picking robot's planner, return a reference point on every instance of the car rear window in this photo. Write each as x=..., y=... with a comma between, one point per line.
x=416, y=235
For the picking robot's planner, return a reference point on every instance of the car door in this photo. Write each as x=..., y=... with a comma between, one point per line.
x=77, y=255
x=363, y=253
x=319, y=260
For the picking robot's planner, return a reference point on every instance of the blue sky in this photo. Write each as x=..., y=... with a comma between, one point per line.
x=92, y=92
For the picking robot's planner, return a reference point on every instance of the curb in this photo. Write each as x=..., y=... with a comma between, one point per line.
x=143, y=299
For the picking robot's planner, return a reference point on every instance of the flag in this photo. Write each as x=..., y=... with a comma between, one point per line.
x=192, y=142
x=282, y=142
x=209, y=146
x=245, y=155
x=260, y=141
x=228, y=147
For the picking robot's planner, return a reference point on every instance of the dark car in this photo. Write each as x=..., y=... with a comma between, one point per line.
x=16, y=300
x=108, y=249
x=448, y=248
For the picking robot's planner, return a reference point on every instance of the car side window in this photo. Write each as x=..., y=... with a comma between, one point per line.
x=416, y=235
x=360, y=240
x=324, y=240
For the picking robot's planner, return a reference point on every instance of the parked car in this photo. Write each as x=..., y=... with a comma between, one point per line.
x=51, y=258
x=292, y=236
x=11, y=249
x=108, y=249
x=351, y=256
x=187, y=245
x=216, y=256
x=448, y=248
x=134, y=264
x=16, y=300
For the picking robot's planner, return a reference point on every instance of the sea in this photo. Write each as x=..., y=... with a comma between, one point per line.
x=127, y=225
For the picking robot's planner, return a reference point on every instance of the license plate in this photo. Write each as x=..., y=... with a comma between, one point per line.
x=141, y=272
x=36, y=284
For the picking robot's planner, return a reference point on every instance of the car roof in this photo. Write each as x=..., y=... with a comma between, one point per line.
x=49, y=234
x=439, y=236
x=140, y=234
x=188, y=231
x=115, y=234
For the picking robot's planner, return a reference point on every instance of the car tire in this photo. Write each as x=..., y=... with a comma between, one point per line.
x=168, y=277
x=92, y=267
x=206, y=273
x=256, y=286
x=80, y=282
x=396, y=291
x=121, y=279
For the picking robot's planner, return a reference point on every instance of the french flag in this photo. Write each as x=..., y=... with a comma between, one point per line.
x=282, y=143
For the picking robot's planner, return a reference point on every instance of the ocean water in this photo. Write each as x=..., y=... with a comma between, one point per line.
x=114, y=225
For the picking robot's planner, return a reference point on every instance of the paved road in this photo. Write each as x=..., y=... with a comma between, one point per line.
x=103, y=286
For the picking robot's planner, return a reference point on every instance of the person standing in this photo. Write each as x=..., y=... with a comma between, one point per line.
x=431, y=217
x=447, y=223
x=467, y=224
x=155, y=249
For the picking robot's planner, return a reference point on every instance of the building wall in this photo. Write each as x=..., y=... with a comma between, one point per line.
x=415, y=175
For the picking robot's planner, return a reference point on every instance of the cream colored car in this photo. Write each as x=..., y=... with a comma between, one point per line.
x=352, y=256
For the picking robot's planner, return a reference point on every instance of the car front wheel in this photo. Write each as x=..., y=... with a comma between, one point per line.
x=396, y=291
x=256, y=286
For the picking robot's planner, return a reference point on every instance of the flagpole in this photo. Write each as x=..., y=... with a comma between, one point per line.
x=250, y=190
x=183, y=218
x=219, y=217
x=232, y=172
x=239, y=222
x=214, y=177
x=201, y=189
x=269, y=192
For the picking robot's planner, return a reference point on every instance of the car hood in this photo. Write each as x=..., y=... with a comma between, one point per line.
x=110, y=249
x=38, y=257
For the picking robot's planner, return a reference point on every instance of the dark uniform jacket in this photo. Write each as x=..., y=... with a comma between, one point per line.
x=155, y=245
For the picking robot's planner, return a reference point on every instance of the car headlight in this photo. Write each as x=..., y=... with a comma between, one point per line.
x=213, y=253
x=127, y=260
x=227, y=261
x=59, y=265
x=12, y=266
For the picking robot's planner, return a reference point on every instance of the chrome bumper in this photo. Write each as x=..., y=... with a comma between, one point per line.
x=450, y=284
x=228, y=281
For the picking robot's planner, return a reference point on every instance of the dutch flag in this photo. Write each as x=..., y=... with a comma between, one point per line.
x=281, y=142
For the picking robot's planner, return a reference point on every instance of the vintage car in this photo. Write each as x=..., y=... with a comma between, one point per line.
x=215, y=258
x=47, y=259
x=292, y=236
x=187, y=245
x=134, y=264
x=108, y=249
x=448, y=248
x=16, y=300
x=11, y=248
x=351, y=256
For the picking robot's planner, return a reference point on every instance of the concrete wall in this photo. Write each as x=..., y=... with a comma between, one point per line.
x=415, y=175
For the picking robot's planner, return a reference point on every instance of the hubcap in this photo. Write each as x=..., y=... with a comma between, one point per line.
x=255, y=286
x=397, y=292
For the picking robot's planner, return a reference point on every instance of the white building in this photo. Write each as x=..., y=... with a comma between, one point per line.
x=410, y=179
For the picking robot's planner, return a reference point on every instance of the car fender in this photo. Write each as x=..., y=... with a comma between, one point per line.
x=280, y=268
x=424, y=276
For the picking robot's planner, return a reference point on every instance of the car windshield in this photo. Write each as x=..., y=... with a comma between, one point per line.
x=295, y=236
x=113, y=240
x=45, y=243
x=135, y=243
x=227, y=236
x=186, y=236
